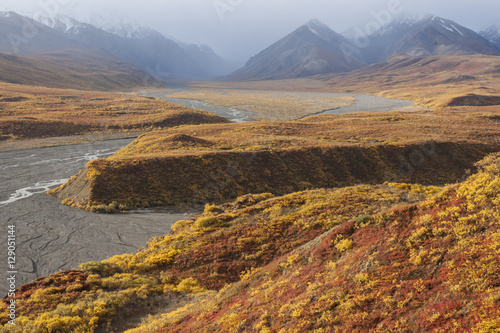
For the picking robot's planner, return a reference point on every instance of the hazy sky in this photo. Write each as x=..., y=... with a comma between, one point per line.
x=238, y=29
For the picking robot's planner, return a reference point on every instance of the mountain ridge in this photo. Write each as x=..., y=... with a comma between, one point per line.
x=424, y=35
x=147, y=49
x=311, y=49
x=314, y=48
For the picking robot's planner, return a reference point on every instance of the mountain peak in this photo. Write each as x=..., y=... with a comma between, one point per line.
x=6, y=12
x=117, y=24
x=321, y=30
x=492, y=30
x=315, y=23
x=447, y=24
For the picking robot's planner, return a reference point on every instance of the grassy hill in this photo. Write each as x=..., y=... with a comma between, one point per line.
x=438, y=81
x=393, y=257
x=213, y=163
x=73, y=69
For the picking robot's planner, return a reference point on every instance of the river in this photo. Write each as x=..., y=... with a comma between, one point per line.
x=362, y=103
x=50, y=236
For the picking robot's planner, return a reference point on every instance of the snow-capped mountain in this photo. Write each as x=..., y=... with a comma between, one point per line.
x=22, y=35
x=142, y=46
x=312, y=49
x=492, y=34
x=119, y=25
x=62, y=23
x=420, y=35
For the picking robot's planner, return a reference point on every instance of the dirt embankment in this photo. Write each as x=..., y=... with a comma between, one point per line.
x=119, y=184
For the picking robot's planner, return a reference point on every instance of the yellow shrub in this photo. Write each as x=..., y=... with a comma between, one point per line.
x=361, y=278
x=189, y=286
x=159, y=258
x=180, y=225
x=206, y=222
x=344, y=245
x=49, y=322
x=487, y=326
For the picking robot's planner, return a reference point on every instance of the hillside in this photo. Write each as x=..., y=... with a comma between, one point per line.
x=437, y=81
x=76, y=69
x=364, y=258
x=214, y=163
x=143, y=47
x=40, y=38
x=30, y=112
x=420, y=36
x=492, y=34
x=312, y=49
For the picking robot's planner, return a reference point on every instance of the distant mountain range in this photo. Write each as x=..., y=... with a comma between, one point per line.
x=314, y=48
x=424, y=36
x=146, y=48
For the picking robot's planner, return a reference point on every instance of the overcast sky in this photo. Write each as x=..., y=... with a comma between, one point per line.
x=238, y=29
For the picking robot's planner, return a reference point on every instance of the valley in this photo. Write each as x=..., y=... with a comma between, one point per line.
x=286, y=105
x=53, y=237
x=149, y=185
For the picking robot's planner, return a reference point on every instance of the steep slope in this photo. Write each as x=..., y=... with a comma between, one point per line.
x=429, y=267
x=311, y=49
x=423, y=36
x=76, y=69
x=22, y=35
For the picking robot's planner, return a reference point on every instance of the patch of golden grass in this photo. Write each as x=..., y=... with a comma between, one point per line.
x=269, y=105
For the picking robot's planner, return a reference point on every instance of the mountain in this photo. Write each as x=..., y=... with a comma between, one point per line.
x=312, y=49
x=492, y=34
x=205, y=56
x=144, y=47
x=23, y=35
x=74, y=69
x=421, y=36
x=118, y=24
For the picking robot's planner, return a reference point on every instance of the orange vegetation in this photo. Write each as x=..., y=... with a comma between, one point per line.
x=364, y=258
x=206, y=163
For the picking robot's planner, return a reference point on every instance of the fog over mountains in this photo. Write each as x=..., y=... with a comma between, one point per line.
x=313, y=48
x=138, y=45
x=316, y=49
